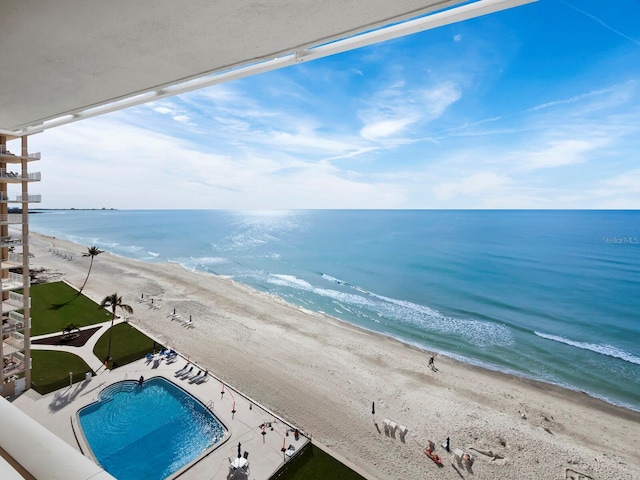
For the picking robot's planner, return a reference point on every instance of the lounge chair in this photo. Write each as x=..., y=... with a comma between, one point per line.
x=203, y=378
x=191, y=377
x=185, y=373
x=171, y=358
x=182, y=370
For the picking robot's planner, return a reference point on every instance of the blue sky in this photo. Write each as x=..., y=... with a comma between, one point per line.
x=533, y=107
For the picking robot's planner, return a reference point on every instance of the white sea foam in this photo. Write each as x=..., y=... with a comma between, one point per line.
x=332, y=279
x=600, y=348
x=153, y=254
x=209, y=260
x=479, y=333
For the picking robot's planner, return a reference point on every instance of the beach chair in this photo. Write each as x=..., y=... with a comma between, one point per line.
x=171, y=358
x=402, y=431
x=203, y=378
x=386, y=422
x=392, y=428
x=193, y=376
x=457, y=455
x=182, y=370
x=184, y=373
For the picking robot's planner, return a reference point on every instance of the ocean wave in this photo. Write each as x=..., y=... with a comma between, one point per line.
x=342, y=282
x=153, y=254
x=479, y=333
x=602, y=349
x=209, y=260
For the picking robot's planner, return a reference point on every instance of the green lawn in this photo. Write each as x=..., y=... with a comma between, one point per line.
x=56, y=305
x=127, y=345
x=313, y=463
x=51, y=370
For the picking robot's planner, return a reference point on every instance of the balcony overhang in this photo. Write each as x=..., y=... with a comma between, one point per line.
x=67, y=60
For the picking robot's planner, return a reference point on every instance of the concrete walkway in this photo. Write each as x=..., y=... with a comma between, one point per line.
x=86, y=350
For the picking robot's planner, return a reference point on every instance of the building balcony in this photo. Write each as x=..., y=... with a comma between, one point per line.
x=7, y=156
x=12, y=364
x=13, y=282
x=7, y=176
x=14, y=260
x=14, y=322
x=4, y=198
x=11, y=241
x=10, y=218
x=16, y=301
x=13, y=343
x=9, y=325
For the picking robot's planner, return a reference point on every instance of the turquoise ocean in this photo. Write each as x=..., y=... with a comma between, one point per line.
x=548, y=295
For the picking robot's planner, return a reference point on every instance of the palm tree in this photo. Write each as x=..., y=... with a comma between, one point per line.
x=91, y=252
x=113, y=301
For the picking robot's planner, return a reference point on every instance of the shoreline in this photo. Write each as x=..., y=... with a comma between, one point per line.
x=461, y=359
x=323, y=374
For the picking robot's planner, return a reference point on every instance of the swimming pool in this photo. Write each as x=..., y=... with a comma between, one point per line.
x=147, y=431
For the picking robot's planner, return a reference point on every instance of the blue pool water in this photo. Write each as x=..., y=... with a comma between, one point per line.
x=147, y=431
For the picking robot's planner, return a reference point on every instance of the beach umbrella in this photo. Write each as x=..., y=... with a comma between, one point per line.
x=239, y=450
x=373, y=408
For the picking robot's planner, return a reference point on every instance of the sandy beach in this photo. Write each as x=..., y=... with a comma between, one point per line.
x=323, y=375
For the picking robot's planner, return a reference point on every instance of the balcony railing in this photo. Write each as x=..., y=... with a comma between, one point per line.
x=31, y=156
x=4, y=198
x=11, y=240
x=15, y=341
x=12, y=365
x=29, y=198
x=13, y=281
x=16, y=257
x=10, y=218
x=9, y=325
x=17, y=300
x=32, y=177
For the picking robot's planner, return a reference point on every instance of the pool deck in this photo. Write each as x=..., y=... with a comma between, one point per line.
x=260, y=432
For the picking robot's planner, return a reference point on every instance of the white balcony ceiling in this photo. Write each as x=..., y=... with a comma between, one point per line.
x=65, y=57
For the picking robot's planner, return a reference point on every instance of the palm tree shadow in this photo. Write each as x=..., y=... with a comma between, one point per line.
x=58, y=306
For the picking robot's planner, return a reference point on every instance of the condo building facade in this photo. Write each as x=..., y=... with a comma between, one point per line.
x=15, y=308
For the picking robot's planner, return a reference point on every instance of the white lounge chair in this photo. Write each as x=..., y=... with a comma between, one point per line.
x=185, y=373
x=392, y=428
x=192, y=376
x=387, y=422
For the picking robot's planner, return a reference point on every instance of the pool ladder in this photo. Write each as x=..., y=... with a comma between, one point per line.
x=209, y=405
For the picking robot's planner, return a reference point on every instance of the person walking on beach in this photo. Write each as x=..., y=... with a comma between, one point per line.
x=431, y=364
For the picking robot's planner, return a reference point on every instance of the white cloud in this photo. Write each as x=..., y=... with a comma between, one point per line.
x=393, y=110
x=558, y=154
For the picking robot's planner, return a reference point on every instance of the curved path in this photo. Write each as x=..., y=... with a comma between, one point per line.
x=51, y=341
